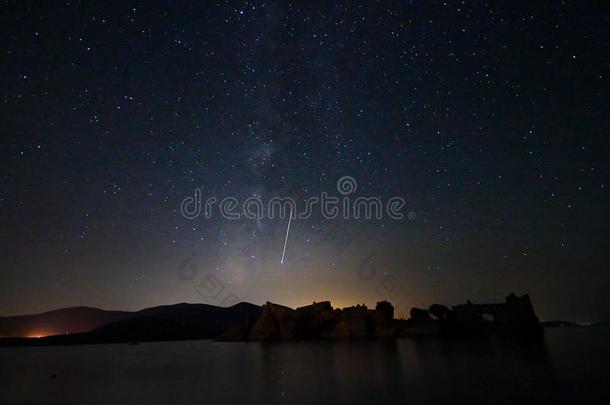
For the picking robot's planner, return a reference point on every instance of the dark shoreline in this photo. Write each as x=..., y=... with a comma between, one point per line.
x=512, y=320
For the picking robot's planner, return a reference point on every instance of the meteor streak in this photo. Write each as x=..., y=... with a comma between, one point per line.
x=286, y=239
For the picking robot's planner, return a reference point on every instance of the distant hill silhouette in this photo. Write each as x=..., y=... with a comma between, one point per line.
x=59, y=322
x=570, y=324
x=178, y=322
x=560, y=324
x=168, y=322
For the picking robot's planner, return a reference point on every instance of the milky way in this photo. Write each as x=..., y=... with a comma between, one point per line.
x=489, y=120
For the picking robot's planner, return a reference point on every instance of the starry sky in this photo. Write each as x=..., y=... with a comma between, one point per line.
x=489, y=119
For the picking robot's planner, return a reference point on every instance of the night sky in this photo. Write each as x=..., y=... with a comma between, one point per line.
x=490, y=120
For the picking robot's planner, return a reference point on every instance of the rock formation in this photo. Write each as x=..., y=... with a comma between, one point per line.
x=276, y=322
x=515, y=317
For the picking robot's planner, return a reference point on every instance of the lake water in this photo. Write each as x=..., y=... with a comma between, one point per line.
x=572, y=366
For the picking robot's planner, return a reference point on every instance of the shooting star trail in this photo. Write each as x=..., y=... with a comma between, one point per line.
x=286, y=239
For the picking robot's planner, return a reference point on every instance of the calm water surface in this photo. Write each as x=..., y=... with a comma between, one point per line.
x=572, y=366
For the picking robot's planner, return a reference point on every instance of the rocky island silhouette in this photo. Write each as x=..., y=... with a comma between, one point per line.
x=513, y=318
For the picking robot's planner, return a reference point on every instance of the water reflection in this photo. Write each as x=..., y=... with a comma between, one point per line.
x=414, y=369
x=571, y=367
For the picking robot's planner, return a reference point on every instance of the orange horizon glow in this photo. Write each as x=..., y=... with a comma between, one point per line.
x=37, y=335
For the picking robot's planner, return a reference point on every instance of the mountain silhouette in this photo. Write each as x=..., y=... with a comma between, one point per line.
x=168, y=322
x=59, y=321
